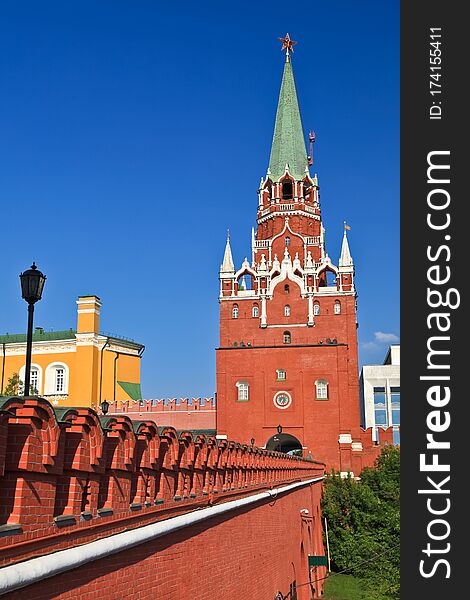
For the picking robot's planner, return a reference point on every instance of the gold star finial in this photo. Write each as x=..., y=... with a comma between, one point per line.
x=288, y=44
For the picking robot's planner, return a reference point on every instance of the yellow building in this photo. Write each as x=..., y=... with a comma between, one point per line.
x=79, y=367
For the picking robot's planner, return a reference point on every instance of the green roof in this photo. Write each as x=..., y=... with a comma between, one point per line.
x=288, y=146
x=38, y=336
x=131, y=389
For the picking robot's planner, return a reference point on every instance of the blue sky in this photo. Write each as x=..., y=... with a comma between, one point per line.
x=133, y=134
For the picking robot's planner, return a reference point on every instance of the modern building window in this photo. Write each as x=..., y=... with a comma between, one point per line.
x=287, y=310
x=255, y=311
x=396, y=436
x=337, y=307
x=316, y=309
x=281, y=375
x=321, y=389
x=287, y=337
x=395, y=403
x=243, y=391
x=235, y=311
x=380, y=407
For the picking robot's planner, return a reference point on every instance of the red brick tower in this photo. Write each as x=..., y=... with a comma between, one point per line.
x=288, y=343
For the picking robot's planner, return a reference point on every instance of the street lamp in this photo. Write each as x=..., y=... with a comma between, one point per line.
x=32, y=284
x=104, y=407
x=252, y=441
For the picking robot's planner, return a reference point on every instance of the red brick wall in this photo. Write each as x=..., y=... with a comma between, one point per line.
x=250, y=555
x=61, y=471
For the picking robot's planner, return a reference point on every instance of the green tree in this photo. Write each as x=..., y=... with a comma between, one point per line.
x=13, y=385
x=364, y=524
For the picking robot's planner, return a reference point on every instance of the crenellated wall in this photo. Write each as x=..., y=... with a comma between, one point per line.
x=181, y=413
x=70, y=478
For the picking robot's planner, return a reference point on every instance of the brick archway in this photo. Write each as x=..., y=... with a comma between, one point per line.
x=283, y=442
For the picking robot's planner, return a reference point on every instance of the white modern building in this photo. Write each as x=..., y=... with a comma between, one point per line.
x=380, y=395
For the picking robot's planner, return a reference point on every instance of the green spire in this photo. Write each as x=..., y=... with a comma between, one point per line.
x=288, y=145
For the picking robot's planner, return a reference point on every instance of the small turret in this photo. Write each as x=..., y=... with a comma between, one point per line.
x=227, y=267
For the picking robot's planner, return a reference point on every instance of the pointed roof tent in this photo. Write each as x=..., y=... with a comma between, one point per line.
x=345, y=258
x=288, y=146
x=227, y=265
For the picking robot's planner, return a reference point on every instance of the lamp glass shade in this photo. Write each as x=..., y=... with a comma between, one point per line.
x=32, y=284
x=104, y=407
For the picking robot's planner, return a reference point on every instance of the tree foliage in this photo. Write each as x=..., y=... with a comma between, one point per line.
x=364, y=524
x=13, y=385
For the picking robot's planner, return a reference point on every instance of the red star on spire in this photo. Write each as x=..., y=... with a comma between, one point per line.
x=288, y=44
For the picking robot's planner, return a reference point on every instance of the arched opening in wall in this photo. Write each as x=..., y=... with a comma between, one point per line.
x=287, y=190
x=286, y=443
x=245, y=282
x=327, y=278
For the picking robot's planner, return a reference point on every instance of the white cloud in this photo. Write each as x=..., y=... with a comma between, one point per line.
x=386, y=338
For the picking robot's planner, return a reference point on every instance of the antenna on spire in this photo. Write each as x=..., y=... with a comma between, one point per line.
x=311, y=139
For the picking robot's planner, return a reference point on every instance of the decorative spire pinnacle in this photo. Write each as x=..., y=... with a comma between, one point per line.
x=345, y=258
x=288, y=145
x=227, y=265
x=288, y=44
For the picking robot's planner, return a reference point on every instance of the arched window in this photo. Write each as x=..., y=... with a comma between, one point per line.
x=287, y=241
x=235, y=311
x=287, y=190
x=287, y=337
x=57, y=379
x=281, y=375
x=287, y=310
x=321, y=389
x=255, y=311
x=316, y=309
x=243, y=391
x=286, y=288
x=35, y=380
x=337, y=307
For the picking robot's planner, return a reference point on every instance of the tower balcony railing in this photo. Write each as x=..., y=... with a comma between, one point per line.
x=313, y=240
x=262, y=243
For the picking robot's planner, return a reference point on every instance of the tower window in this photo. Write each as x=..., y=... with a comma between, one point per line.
x=287, y=241
x=321, y=389
x=281, y=375
x=287, y=310
x=337, y=307
x=243, y=391
x=286, y=288
x=287, y=337
x=255, y=311
x=235, y=311
x=287, y=190
x=316, y=309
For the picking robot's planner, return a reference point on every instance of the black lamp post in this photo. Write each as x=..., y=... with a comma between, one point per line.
x=104, y=407
x=252, y=441
x=32, y=284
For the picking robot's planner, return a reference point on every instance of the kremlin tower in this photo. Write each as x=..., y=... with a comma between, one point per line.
x=287, y=364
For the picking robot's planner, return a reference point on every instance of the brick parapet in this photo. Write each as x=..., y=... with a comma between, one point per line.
x=70, y=476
